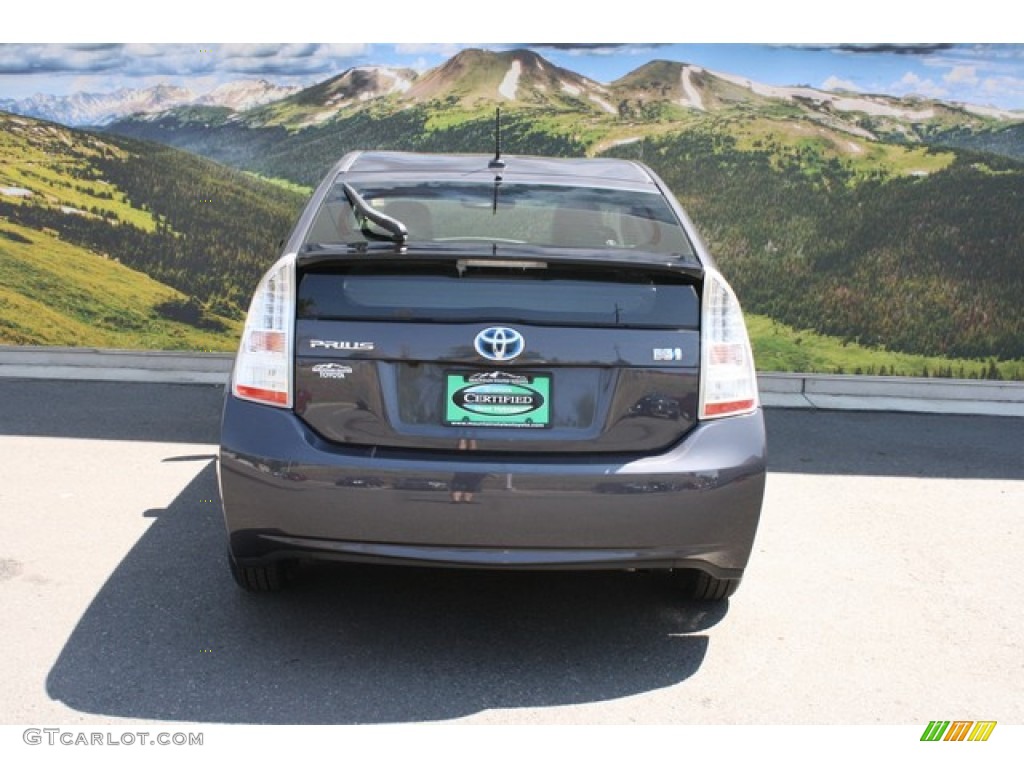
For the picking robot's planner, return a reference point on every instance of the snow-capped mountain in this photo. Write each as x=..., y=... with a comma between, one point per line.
x=103, y=108
x=245, y=94
x=520, y=76
x=520, y=79
x=98, y=108
x=358, y=84
x=323, y=101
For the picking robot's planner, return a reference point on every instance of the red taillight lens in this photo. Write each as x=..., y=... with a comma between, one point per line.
x=263, y=367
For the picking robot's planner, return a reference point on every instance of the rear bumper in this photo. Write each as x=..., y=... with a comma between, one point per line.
x=287, y=493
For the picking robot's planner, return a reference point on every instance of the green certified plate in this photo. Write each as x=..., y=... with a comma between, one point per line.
x=497, y=399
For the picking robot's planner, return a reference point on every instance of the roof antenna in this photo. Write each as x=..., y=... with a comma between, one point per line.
x=497, y=163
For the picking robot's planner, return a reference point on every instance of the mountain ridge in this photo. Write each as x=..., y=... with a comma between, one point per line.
x=473, y=77
x=83, y=109
x=650, y=99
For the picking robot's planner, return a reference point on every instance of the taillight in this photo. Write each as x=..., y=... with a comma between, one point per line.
x=728, y=381
x=263, y=367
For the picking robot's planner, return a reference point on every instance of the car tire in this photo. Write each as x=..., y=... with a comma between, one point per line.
x=699, y=585
x=272, y=577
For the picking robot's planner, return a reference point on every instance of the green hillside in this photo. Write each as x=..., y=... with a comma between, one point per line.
x=929, y=263
x=56, y=293
x=887, y=246
x=863, y=233
x=305, y=156
x=779, y=347
x=1005, y=140
x=189, y=236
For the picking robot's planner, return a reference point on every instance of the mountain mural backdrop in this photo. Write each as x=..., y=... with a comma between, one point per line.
x=863, y=233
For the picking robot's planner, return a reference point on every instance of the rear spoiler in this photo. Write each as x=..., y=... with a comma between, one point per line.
x=503, y=255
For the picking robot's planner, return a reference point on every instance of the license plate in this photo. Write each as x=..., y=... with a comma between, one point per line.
x=497, y=399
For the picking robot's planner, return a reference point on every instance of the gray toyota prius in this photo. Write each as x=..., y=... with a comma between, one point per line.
x=510, y=362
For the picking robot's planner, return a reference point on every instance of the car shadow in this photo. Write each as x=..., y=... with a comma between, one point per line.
x=170, y=637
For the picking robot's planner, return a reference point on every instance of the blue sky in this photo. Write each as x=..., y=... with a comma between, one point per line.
x=984, y=74
x=777, y=43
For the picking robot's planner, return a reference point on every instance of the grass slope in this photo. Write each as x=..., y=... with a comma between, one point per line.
x=779, y=347
x=201, y=228
x=56, y=293
x=916, y=261
x=56, y=165
x=786, y=202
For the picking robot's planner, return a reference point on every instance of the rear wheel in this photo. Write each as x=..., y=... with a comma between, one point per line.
x=272, y=577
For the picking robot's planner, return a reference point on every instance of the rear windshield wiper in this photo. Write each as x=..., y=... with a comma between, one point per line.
x=398, y=230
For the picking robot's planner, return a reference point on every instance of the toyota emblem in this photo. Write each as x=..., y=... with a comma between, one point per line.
x=499, y=343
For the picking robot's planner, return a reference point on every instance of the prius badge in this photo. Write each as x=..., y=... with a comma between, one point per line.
x=345, y=346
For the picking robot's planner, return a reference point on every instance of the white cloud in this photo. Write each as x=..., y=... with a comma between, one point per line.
x=145, y=50
x=913, y=84
x=345, y=50
x=833, y=83
x=447, y=50
x=599, y=49
x=962, y=75
x=999, y=88
x=249, y=50
x=139, y=60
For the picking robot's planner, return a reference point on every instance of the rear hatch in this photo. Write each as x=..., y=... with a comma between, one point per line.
x=455, y=353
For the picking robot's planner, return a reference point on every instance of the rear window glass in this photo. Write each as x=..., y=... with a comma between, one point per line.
x=534, y=214
x=552, y=296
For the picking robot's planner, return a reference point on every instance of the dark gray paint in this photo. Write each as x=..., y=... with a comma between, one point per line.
x=623, y=484
x=695, y=505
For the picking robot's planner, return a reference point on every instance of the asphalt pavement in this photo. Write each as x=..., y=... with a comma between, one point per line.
x=884, y=588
